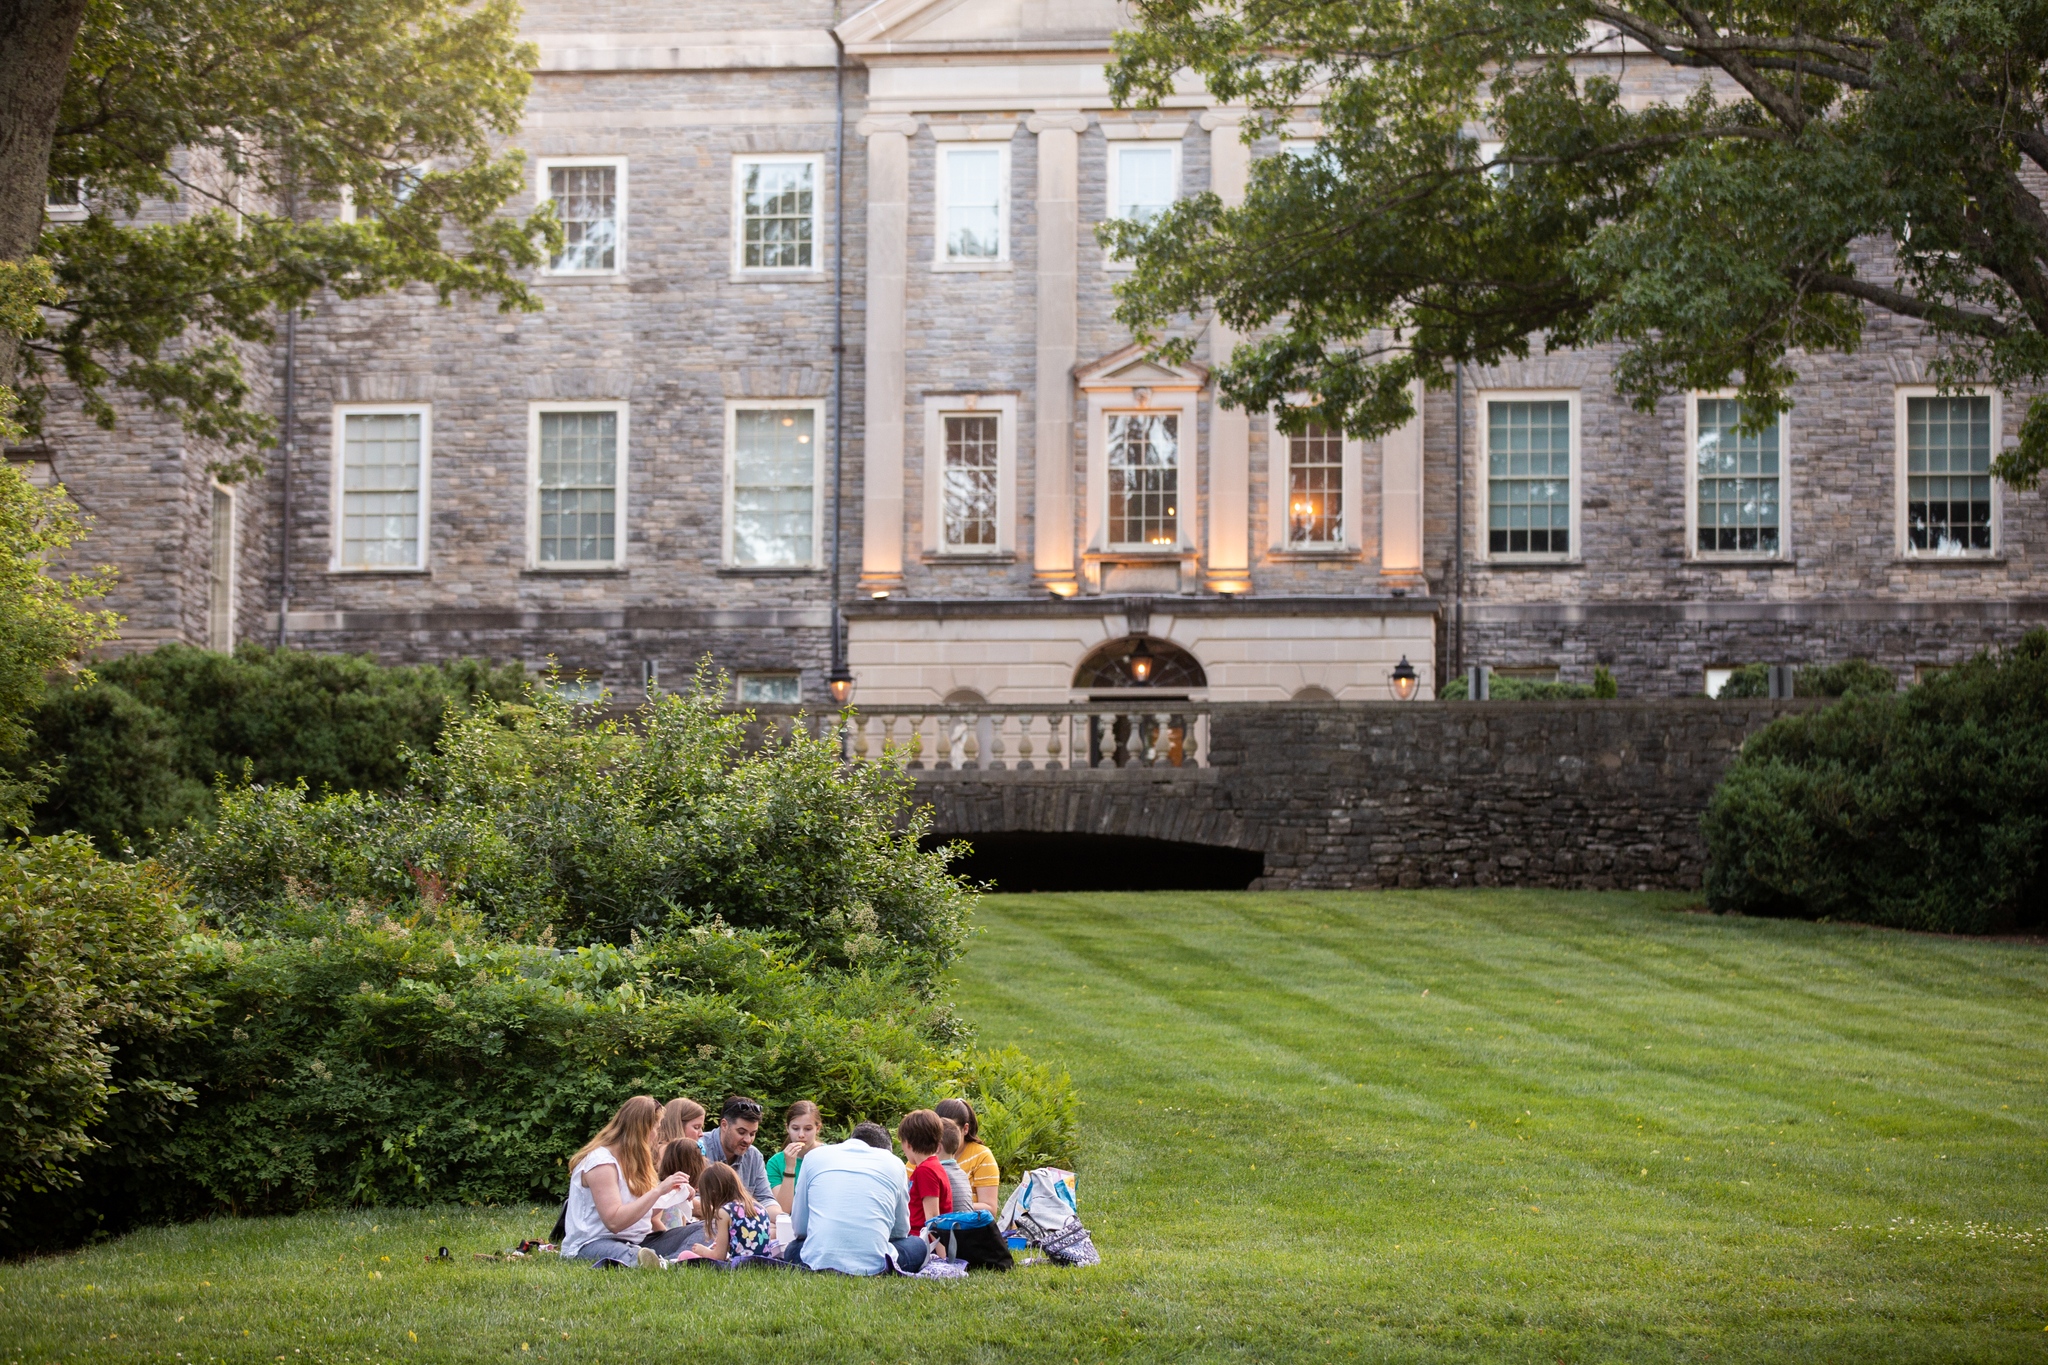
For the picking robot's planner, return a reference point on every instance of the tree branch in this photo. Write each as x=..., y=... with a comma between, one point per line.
x=1985, y=325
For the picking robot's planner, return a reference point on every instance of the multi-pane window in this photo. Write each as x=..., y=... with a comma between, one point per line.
x=220, y=585
x=381, y=462
x=577, y=473
x=774, y=487
x=1738, y=489
x=975, y=194
x=1315, y=488
x=1144, y=478
x=1948, y=475
x=968, y=496
x=1145, y=179
x=776, y=689
x=587, y=203
x=778, y=214
x=1528, y=477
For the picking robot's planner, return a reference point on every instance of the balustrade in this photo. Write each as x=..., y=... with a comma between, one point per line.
x=1032, y=738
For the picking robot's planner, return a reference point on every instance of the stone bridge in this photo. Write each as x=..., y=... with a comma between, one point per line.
x=1344, y=794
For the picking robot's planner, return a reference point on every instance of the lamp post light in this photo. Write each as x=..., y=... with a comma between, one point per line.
x=1405, y=680
x=840, y=684
x=1141, y=664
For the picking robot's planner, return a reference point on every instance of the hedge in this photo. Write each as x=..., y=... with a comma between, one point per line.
x=137, y=750
x=1926, y=809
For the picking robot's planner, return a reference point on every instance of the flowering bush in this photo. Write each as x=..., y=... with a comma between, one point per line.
x=536, y=820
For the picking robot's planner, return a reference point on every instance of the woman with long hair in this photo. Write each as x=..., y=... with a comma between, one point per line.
x=613, y=1193
x=680, y=1118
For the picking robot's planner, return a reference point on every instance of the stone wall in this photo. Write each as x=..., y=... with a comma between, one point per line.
x=1565, y=794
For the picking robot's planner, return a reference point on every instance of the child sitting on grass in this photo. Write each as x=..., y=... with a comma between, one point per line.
x=800, y=1129
x=949, y=1151
x=681, y=1155
x=931, y=1193
x=738, y=1227
x=978, y=1161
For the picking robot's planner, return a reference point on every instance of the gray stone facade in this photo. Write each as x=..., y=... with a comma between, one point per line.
x=678, y=93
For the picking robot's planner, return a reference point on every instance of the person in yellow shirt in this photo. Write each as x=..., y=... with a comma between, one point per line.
x=975, y=1159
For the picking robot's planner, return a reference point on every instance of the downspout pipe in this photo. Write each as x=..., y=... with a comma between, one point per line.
x=286, y=446
x=838, y=330
x=1458, y=550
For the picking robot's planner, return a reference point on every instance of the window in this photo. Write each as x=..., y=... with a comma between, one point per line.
x=968, y=497
x=579, y=476
x=1529, y=476
x=1144, y=179
x=1736, y=490
x=220, y=577
x=1315, y=489
x=974, y=204
x=1948, y=446
x=381, y=458
x=589, y=195
x=776, y=689
x=1144, y=478
x=772, y=505
x=777, y=214
x=64, y=202
x=582, y=690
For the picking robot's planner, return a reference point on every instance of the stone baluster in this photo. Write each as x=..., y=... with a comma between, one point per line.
x=858, y=725
x=996, y=747
x=1191, y=743
x=1053, y=725
x=970, y=742
x=917, y=742
x=1024, y=763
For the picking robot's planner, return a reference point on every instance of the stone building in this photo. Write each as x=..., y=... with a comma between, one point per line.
x=832, y=343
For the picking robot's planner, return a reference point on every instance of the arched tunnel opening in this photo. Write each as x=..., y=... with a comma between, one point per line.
x=1102, y=862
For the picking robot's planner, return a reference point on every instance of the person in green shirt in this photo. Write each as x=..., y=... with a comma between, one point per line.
x=800, y=1133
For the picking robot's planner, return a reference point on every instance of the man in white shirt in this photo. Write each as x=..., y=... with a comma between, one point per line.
x=853, y=1208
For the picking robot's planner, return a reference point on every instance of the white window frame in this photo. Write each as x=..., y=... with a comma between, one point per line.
x=1902, y=532
x=543, y=193
x=1483, y=417
x=816, y=406
x=229, y=577
x=341, y=414
x=68, y=213
x=1113, y=187
x=1279, y=491
x=937, y=408
x=740, y=269
x=942, y=226
x=740, y=681
x=534, y=410
x=1692, y=488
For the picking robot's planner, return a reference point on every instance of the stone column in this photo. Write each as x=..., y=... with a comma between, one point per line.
x=1059, y=244
x=1230, y=429
x=882, y=529
x=1401, y=500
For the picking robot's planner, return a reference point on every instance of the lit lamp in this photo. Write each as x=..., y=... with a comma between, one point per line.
x=1405, y=679
x=1141, y=664
x=840, y=685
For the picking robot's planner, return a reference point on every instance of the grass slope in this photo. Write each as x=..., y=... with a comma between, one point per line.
x=1432, y=1127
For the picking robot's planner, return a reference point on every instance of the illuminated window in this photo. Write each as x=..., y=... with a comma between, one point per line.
x=1315, y=489
x=1144, y=479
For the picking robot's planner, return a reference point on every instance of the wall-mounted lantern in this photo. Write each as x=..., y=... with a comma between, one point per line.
x=1405, y=679
x=840, y=684
x=1141, y=664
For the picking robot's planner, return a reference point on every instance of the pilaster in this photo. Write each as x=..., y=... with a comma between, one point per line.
x=1230, y=429
x=1059, y=232
x=882, y=528
x=1401, y=499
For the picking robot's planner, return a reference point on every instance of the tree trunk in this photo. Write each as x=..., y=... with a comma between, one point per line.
x=36, y=37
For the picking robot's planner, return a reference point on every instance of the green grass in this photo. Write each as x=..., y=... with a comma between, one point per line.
x=1432, y=1127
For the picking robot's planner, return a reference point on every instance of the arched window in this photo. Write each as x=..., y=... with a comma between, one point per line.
x=1110, y=668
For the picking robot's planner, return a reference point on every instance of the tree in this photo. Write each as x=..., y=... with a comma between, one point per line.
x=43, y=629
x=1478, y=191
x=251, y=120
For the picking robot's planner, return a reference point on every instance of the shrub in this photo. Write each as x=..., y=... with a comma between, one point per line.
x=139, y=749
x=536, y=820
x=1029, y=1111
x=1926, y=809
x=1849, y=678
x=90, y=964
x=1501, y=687
x=409, y=1061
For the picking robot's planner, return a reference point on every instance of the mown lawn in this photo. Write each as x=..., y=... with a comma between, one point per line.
x=1433, y=1127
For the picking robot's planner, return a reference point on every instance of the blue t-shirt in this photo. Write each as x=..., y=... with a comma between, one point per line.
x=850, y=1201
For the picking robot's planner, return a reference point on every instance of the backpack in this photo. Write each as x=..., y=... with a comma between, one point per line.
x=1042, y=1207
x=972, y=1237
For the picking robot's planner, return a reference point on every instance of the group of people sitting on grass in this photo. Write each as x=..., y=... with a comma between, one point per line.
x=654, y=1188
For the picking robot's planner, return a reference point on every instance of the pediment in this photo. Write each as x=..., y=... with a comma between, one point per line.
x=981, y=24
x=1132, y=368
